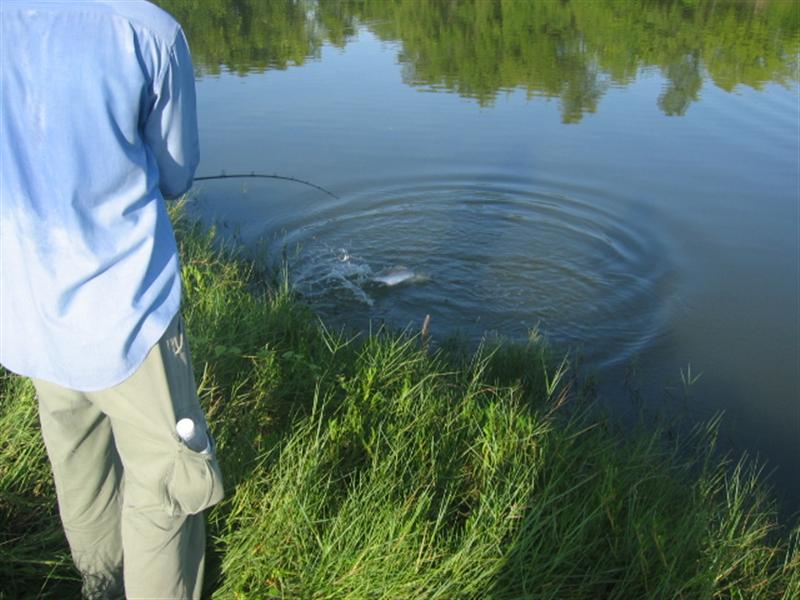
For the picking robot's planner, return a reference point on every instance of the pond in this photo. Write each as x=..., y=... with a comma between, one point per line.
x=622, y=179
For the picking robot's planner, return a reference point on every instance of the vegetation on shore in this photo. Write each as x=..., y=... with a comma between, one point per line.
x=372, y=467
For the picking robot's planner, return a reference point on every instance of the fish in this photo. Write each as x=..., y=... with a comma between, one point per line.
x=396, y=276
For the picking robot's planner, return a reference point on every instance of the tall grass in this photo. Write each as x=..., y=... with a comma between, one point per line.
x=371, y=467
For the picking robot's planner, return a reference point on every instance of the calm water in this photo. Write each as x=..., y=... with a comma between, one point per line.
x=624, y=180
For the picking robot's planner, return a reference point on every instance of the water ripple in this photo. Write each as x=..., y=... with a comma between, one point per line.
x=492, y=255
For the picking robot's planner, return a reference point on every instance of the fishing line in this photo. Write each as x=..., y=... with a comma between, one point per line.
x=265, y=176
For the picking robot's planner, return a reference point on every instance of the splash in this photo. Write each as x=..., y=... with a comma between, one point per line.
x=336, y=273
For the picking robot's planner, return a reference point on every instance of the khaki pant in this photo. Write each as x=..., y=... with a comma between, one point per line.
x=130, y=494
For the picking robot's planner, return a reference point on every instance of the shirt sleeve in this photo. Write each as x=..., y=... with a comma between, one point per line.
x=170, y=129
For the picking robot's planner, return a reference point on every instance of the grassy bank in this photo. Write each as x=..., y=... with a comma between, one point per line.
x=368, y=467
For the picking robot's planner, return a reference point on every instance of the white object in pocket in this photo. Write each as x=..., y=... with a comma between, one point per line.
x=195, y=480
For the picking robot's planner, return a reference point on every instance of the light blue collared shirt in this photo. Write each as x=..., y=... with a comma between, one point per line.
x=97, y=125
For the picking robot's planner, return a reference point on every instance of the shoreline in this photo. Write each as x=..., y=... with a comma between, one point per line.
x=369, y=466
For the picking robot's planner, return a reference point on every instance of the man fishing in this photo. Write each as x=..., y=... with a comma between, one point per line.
x=98, y=125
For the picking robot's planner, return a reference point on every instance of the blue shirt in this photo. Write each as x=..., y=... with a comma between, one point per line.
x=97, y=125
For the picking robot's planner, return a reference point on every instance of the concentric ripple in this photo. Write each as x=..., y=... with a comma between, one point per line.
x=487, y=257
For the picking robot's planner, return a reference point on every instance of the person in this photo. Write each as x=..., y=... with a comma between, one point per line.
x=98, y=126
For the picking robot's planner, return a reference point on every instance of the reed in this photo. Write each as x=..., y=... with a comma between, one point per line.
x=375, y=467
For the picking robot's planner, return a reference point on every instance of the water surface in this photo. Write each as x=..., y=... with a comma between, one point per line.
x=623, y=179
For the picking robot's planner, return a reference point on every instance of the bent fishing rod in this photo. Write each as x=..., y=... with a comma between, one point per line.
x=265, y=176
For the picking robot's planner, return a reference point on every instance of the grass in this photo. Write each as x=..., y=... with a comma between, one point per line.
x=371, y=467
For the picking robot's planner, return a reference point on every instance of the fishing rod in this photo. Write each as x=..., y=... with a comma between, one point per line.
x=265, y=176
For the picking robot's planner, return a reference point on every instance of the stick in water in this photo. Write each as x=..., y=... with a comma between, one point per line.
x=265, y=176
x=426, y=330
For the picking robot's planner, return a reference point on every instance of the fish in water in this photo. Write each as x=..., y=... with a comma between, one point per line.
x=397, y=275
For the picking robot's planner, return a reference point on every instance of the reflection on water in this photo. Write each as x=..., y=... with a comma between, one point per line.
x=570, y=50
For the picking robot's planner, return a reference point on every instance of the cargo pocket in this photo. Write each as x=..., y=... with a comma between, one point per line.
x=195, y=481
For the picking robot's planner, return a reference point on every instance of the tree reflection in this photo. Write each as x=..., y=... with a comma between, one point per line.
x=571, y=50
x=247, y=36
x=685, y=81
